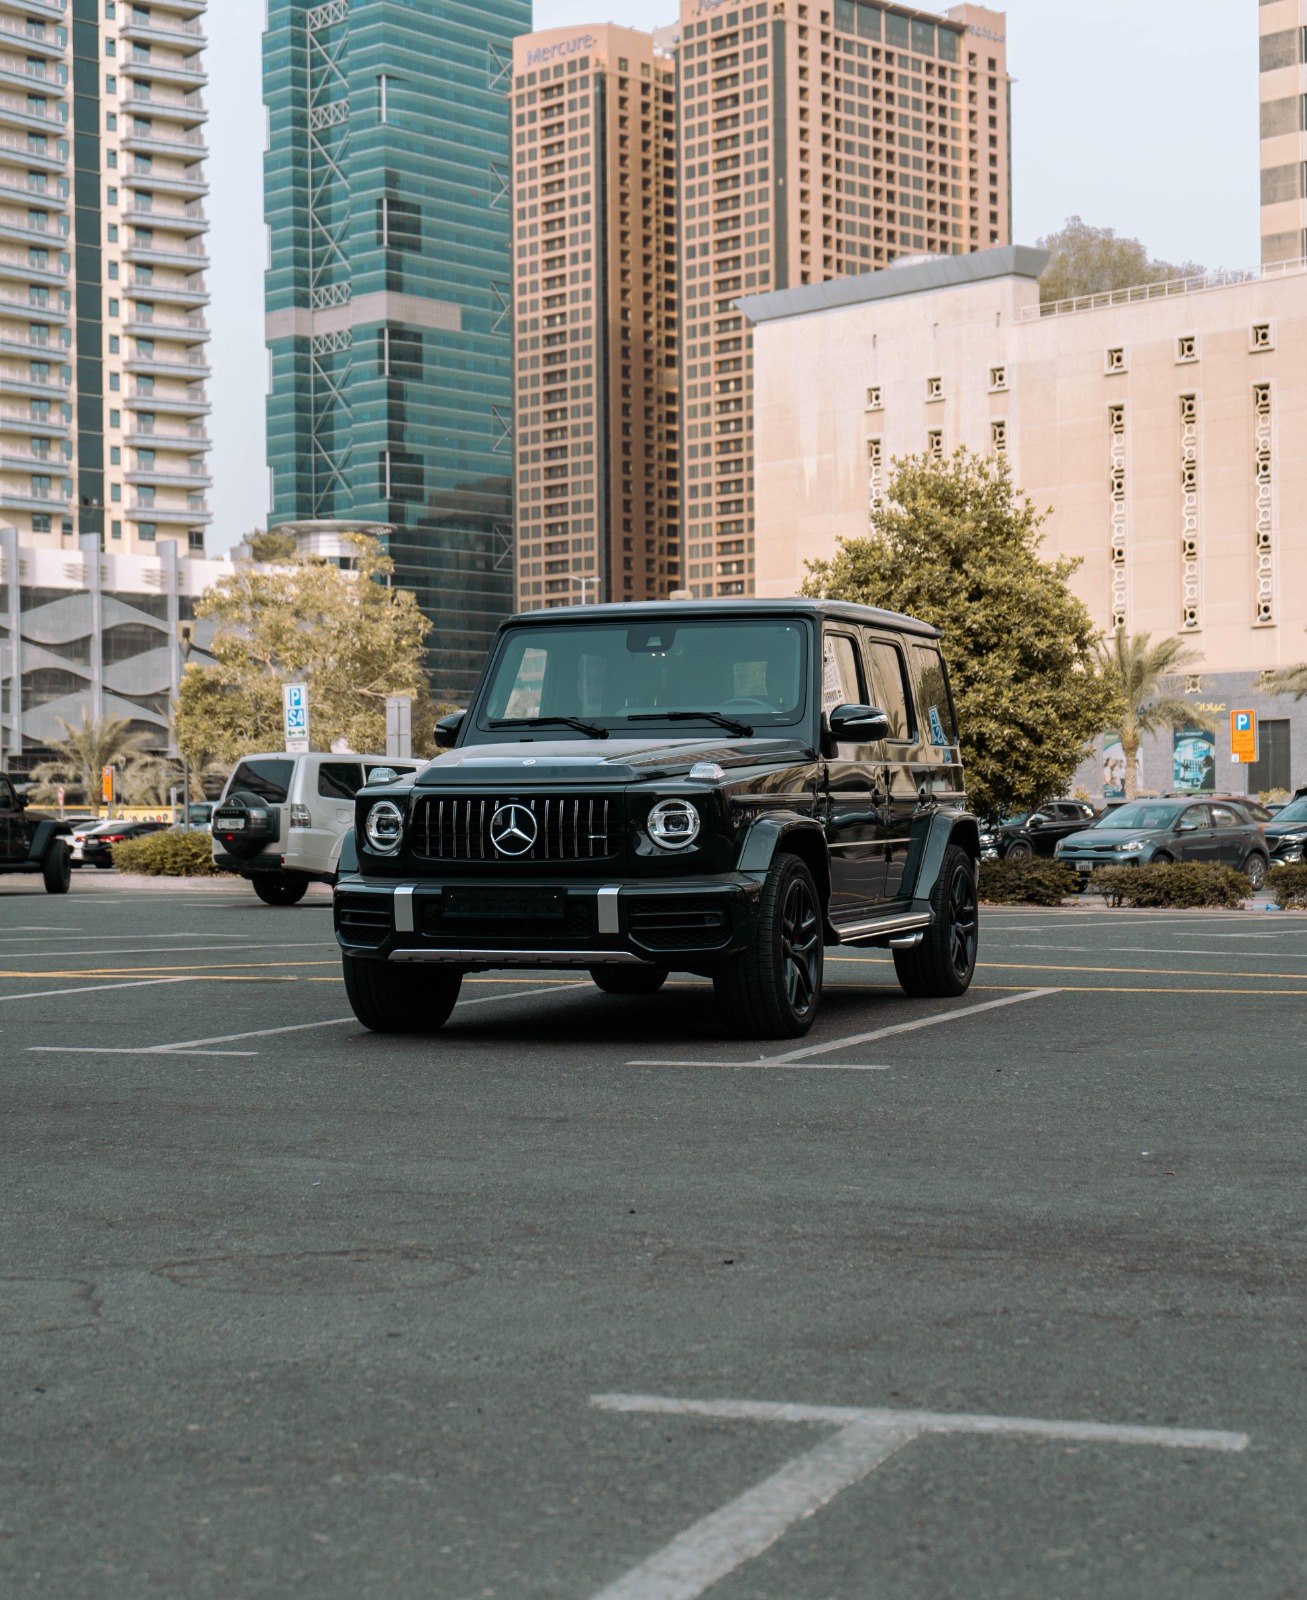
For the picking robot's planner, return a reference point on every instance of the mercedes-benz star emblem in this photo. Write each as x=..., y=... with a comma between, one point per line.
x=513, y=830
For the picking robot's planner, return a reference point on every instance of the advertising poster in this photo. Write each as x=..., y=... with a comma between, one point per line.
x=1194, y=756
x=1114, y=768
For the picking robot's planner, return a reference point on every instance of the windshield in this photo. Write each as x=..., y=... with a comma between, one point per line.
x=627, y=678
x=1135, y=817
x=1295, y=811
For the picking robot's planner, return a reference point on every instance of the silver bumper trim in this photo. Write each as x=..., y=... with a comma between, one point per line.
x=522, y=958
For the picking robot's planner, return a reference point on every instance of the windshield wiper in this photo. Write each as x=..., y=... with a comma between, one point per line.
x=741, y=730
x=591, y=728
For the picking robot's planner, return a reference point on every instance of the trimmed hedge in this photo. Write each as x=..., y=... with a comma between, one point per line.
x=1288, y=886
x=1182, y=884
x=1033, y=882
x=169, y=854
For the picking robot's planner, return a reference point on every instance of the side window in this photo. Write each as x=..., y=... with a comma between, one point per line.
x=1196, y=817
x=936, y=699
x=841, y=683
x=397, y=767
x=1223, y=817
x=7, y=800
x=889, y=687
x=339, y=780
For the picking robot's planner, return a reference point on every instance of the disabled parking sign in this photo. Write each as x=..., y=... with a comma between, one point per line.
x=295, y=716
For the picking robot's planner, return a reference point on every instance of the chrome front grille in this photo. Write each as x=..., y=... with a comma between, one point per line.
x=567, y=827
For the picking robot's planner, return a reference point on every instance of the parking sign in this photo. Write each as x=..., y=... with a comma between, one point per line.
x=295, y=715
x=1243, y=736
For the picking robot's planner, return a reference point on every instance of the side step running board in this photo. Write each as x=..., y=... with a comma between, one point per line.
x=898, y=929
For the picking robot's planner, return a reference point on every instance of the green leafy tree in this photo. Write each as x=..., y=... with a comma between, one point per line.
x=271, y=545
x=957, y=546
x=350, y=636
x=1097, y=260
x=1146, y=700
x=79, y=757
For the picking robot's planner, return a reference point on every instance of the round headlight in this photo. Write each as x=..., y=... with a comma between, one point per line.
x=385, y=827
x=673, y=824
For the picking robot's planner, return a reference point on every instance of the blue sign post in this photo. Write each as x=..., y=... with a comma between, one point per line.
x=295, y=716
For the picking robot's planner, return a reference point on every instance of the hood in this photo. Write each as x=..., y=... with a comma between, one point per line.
x=598, y=761
x=1107, y=838
x=1281, y=830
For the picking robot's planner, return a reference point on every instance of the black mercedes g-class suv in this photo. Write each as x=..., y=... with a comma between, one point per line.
x=721, y=788
x=29, y=843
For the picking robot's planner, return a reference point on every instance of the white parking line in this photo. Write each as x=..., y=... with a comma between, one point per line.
x=91, y=988
x=792, y=1058
x=725, y=1539
x=166, y=950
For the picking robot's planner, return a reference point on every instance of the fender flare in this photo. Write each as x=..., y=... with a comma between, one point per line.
x=788, y=830
x=47, y=831
x=932, y=834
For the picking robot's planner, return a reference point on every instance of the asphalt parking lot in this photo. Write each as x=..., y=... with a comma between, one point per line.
x=997, y=1297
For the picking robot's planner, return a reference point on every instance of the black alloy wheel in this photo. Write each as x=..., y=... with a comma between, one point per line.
x=1254, y=869
x=772, y=990
x=629, y=980
x=1020, y=850
x=944, y=963
x=57, y=868
x=407, y=998
x=280, y=888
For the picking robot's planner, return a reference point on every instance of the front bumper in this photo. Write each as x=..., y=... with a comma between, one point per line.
x=1086, y=864
x=474, y=923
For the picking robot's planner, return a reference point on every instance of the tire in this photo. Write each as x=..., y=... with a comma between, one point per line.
x=280, y=888
x=1162, y=860
x=1019, y=850
x=1254, y=870
x=629, y=980
x=57, y=868
x=944, y=963
x=772, y=990
x=403, y=999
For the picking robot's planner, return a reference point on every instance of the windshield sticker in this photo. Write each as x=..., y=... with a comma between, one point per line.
x=936, y=726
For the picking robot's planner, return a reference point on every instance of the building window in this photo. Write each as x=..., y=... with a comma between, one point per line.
x=146, y=531
x=935, y=444
x=934, y=388
x=116, y=530
x=1115, y=359
x=998, y=438
x=873, y=397
x=1261, y=337
x=1186, y=347
x=1273, y=768
x=998, y=377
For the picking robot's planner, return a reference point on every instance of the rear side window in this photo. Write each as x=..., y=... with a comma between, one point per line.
x=265, y=780
x=841, y=684
x=1225, y=817
x=939, y=722
x=889, y=687
x=339, y=780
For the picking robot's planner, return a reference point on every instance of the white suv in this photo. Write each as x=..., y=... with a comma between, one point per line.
x=282, y=818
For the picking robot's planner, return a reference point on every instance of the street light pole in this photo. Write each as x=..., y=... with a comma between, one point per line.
x=590, y=578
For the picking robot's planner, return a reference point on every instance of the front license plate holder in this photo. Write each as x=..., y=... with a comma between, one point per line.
x=1084, y=868
x=535, y=905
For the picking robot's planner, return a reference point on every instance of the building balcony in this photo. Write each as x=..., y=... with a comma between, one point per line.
x=13, y=188
x=54, y=10
x=16, y=150
x=194, y=292
x=171, y=514
x=175, y=405
x=174, y=32
x=52, y=389
x=187, y=222
x=20, y=500
x=164, y=479
x=32, y=78
x=188, y=146
x=188, y=330
x=190, y=257
x=171, y=183
x=14, y=264
x=16, y=344
x=193, y=440
x=182, y=364
x=180, y=74
x=14, y=113
x=46, y=236
x=19, y=419
x=32, y=37
x=188, y=109
x=15, y=460
x=25, y=311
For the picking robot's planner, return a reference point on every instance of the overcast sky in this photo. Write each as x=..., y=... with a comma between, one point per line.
x=1138, y=115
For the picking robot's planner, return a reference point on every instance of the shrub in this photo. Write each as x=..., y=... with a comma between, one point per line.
x=1288, y=886
x=169, y=854
x=1180, y=884
x=1033, y=882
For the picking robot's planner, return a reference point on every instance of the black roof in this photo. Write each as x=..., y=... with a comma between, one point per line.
x=630, y=610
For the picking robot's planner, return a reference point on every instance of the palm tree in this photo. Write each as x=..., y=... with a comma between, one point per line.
x=1141, y=676
x=85, y=751
x=1288, y=680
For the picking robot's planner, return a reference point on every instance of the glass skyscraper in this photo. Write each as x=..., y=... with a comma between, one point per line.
x=388, y=300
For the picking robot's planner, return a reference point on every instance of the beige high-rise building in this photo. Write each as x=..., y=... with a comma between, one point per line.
x=102, y=331
x=1283, y=28
x=595, y=307
x=819, y=138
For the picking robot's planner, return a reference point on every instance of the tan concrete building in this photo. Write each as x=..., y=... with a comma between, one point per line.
x=819, y=138
x=1283, y=28
x=595, y=306
x=1166, y=427
x=102, y=290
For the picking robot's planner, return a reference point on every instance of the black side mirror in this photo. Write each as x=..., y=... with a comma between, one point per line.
x=447, y=729
x=1037, y=820
x=864, y=724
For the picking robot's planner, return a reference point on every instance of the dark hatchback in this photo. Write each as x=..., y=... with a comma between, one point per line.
x=1152, y=832
x=1286, y=833
x=1034, y=833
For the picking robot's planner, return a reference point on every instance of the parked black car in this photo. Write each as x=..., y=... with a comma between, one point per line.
x=1286, y=832
x=97, y=848
x=720, y=788
x=1034, y=833
x=1148, y=832
x=29, y=843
